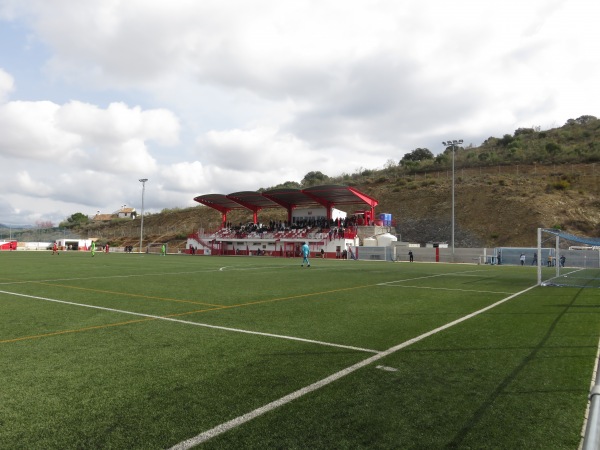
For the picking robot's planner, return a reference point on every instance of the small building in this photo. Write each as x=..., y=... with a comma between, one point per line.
x=102, y=217
x=74, y=244
x=126, y=213
x=122, y=213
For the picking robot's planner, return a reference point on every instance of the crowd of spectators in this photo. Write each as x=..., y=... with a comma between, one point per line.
x=335, y=228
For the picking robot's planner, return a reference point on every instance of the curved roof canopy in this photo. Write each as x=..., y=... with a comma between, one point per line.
x=327, y=195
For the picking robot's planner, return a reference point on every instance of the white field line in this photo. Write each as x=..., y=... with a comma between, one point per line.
x=187, y=322
x=388, y=284
x=110, y=277
x=193, y=272
x=162, y=274
x=465, y=273
x=586, y=416
x=229, y=425
x=155, y=274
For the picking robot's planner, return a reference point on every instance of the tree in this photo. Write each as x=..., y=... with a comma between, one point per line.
x=76, y=220
x=390, y=164
x=582, y=120
x=312, y=178
x=285, y=185
x=585, y=119
x=520, y=131
x=418, y=154
x=506, y=139
x=44, y=224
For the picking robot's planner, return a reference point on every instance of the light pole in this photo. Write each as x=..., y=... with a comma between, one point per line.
x=143, y=181
x=453, y=144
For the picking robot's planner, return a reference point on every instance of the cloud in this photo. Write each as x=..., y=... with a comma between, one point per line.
x=221, y=96
x=118, y=123
x=184, y=177
x=113, y=139
x=28, y=131
x=252, y=149
x=6, y=85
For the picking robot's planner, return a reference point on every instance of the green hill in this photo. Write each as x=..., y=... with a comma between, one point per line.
x=504, y=190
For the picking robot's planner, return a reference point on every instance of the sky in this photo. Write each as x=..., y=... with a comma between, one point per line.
x=221, y=96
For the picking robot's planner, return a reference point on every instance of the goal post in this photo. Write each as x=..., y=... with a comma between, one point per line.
x=567, y=260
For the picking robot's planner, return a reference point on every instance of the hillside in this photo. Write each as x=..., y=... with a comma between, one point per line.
x=504, y=190
x=494, y=206
x=500, y=206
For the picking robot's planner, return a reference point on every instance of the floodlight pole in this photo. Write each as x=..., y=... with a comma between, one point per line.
x=453, y=144
x=143, y=181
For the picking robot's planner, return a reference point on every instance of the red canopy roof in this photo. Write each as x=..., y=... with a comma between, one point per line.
x=328, y=196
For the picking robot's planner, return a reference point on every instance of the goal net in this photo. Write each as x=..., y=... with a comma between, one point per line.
x=156, y=248
x=371, y=253
x=567, y=260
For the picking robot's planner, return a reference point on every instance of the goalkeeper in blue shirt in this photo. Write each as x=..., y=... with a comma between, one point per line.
x=305, y=252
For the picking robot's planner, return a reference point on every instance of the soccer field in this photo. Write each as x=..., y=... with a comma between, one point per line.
x=143, y=351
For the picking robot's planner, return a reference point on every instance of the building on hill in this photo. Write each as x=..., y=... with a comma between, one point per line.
x=102, y=217
x=126, y=213
x=122, y=213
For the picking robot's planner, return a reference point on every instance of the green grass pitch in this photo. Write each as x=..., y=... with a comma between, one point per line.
x=140, y=351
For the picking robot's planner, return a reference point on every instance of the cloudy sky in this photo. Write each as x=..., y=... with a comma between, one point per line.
x=218, y=96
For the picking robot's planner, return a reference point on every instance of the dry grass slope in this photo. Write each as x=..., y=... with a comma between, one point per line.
x=494, y=206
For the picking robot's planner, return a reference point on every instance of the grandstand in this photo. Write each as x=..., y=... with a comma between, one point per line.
x=311, y=217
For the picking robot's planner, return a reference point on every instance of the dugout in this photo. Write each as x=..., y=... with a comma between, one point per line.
x=8, y=245
x=74, y=244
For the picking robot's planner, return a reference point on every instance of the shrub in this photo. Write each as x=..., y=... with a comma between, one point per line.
x=561, y=185
x=552, y=148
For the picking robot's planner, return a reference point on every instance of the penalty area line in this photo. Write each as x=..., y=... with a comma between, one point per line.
x=390, y=284
x=234, y=423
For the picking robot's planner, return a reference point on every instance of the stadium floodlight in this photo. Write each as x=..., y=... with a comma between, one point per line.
x=453, y=144
x=143, y=181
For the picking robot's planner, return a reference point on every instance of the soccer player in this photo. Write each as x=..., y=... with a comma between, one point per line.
x=93, y=248
x=305, y=252
x=55, y=248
